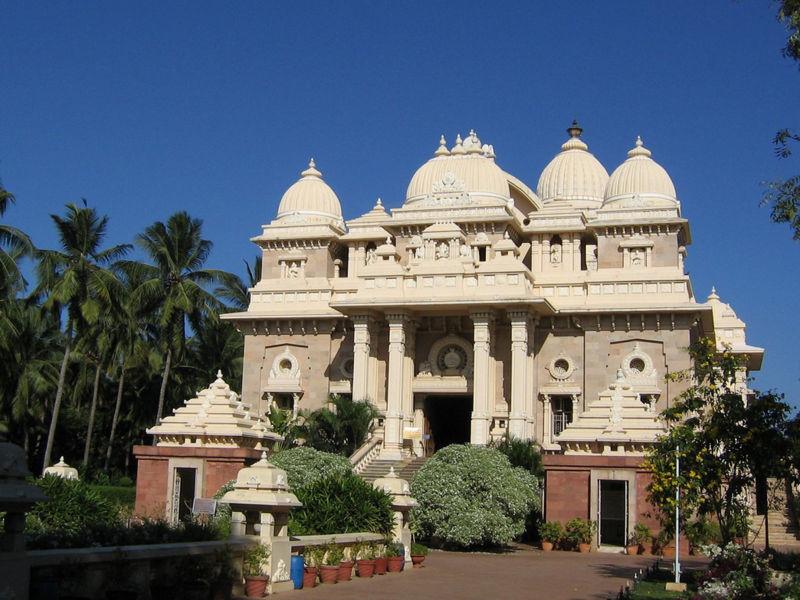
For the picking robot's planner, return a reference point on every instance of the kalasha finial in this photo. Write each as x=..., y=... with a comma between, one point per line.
x=312, y=164
x=442, y=149
x=574, y=130
x=379, y=202
x=219, y=373
x=639, y=142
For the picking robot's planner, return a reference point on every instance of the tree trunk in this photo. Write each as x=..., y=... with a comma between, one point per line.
x=163, y=392
x=88, y=445
x=51, y=434
x=120, y=386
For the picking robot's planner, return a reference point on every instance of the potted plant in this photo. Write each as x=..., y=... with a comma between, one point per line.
x=579, y=532
x=329, y=570
x=665, y=544
x=395, y=557
x=346, y=565
x=314, y=557
x=632, y=546
x=223, y=575
x=365, y=559
x=418, y=554
x=254, y=570
x=381, y=563
x=644, y=538
x=552, y=533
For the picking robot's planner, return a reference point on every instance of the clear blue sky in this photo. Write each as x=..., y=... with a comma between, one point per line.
x=146, y=108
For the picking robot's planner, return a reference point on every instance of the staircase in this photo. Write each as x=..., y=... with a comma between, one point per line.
x=405, y=468
x=783, y=532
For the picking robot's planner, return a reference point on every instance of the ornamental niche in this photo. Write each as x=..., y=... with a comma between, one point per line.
x=450, y=356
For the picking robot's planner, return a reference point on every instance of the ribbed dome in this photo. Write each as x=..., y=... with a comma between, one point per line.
x=640, y=181
x=574, y=175
x=310, y=199
x=466, y=171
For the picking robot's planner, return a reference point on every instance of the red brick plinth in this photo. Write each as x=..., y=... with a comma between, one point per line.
x=219, y=465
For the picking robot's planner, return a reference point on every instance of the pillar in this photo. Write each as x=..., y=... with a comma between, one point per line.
x=393, y=423
x=482, y=392
x=361, y=354
x=547, y=436
x=408, y=374
x=519, y=375
x=532, y=389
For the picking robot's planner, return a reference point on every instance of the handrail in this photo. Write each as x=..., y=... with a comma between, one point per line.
x=364, y=455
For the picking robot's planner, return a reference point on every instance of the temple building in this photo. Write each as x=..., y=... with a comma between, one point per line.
x=479, y=308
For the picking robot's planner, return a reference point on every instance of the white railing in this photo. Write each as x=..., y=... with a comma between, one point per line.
x=366, y=453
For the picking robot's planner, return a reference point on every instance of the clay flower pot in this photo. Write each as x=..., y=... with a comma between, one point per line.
x=584, y=548
x=417, y=560
x=668, y=551
x=632, y=550
x=380, y=566
x=345, y=570
x=547, y=546
x=395, y=564
x=646, y=548
x=328, y=574
x=366, y=568
x=255, y=586
x=310, y=577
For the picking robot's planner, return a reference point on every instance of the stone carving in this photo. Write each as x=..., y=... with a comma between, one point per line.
x=419, y=252
x=449, y=184
x=372, y=256
x=465, y=251
x=293, y=271
x=442, y=251
x=637, y=257
x=555, y=254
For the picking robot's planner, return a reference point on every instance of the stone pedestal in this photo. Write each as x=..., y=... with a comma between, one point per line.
x=402, y=503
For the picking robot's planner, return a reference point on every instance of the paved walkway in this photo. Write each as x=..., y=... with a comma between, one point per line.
x=526, y=573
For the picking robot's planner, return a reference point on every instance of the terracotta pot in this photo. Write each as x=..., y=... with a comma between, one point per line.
x=646, y=548
x=668, y=551
x=345, y=570
x=632, y=550
x=310, y=578
x=584, y=548
x=395, y=564
x=366, y=568
x=380, y=566
x=328, y=574
x=417, y=559
x=255, y=586
x=547, y=546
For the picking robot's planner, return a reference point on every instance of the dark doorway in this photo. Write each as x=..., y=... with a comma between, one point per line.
x=613, y=499
x=449, y=418
x=185, y=482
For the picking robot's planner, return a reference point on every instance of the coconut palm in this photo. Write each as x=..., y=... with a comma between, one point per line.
x=235, y=291
x=75, y=278
x=174, y=284
x=14, y=244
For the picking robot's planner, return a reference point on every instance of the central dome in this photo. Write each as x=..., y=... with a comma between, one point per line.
x=465, y=174
x=574, y=175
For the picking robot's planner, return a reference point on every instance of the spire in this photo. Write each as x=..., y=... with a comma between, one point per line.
x=311, y=171
x=474, y=146
x=574, y=130
x=574, y=142
x=713, y=295
x=639, y=149
x=458, y=148
x=442, y=149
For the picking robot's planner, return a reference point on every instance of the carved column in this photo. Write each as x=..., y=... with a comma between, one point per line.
x=532, y=389
x=408, y=373
x=519, y=375
x=481, y=388
x=547, y=435
x=361, y=354
x=393, y=423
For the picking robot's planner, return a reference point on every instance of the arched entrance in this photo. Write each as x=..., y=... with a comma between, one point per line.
x=448, y=419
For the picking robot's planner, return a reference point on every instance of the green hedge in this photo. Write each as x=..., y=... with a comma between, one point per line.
x=122, y=496
x=305, y=466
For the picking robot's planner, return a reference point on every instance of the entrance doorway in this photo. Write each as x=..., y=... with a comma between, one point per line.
x=183, y=492
x=448, y=420
x=613, y=509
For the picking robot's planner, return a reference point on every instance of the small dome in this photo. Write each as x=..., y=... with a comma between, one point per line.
x=466, y=172
x=310, y=199
x=640, y=181
x=574, y=175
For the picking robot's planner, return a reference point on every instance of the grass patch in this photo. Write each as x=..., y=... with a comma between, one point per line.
x=123, y=496
x=653, y=589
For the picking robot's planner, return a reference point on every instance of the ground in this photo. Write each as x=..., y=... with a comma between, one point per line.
x=525, y=573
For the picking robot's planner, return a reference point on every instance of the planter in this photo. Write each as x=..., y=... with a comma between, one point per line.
x=366, y=568
x=547, y=546
x=345, y=570
x=222, y=589
x=632, y=550
x=380, y=566
x=328, y=574
x=668, y=551
x=255, y=586
x=584, y=548
x=310, y=577
x=395, y=564
x=417, y=560
x=646, y=548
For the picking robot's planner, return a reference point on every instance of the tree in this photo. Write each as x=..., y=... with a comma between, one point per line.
x=234, y=290
x=14, y=244
x=724, y=443
x=783, y=197
x=174, y=284
x=341, y=430
x=76, y=279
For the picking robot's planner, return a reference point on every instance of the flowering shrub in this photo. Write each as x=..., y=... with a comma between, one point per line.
x=305, y=466
x=471, y=497
x=738, y=573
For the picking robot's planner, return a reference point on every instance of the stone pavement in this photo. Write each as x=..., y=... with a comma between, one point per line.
x=525, y=573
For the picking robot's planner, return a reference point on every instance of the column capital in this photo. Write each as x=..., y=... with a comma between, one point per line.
x=398, y=317
x=481, y=317
x=519, y=316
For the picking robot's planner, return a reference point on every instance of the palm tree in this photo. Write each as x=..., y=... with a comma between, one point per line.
x=14, y=244
x=74, y=278
x=174, y=285
x=235, y=291
x=341, y=430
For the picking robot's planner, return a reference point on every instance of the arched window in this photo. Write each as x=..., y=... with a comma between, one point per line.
x=555, y=250
x=588, y=253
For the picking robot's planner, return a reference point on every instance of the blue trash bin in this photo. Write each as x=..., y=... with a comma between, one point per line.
x=296, y=571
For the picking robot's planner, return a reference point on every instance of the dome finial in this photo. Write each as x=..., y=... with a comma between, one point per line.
x=574, y=130
x=442, y=149
x=311, y=171
x=458, y=148
x=713, y=295
x=639, y=149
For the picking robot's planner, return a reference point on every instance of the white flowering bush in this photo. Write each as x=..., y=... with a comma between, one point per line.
x=305, y=466
x=472, y=497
